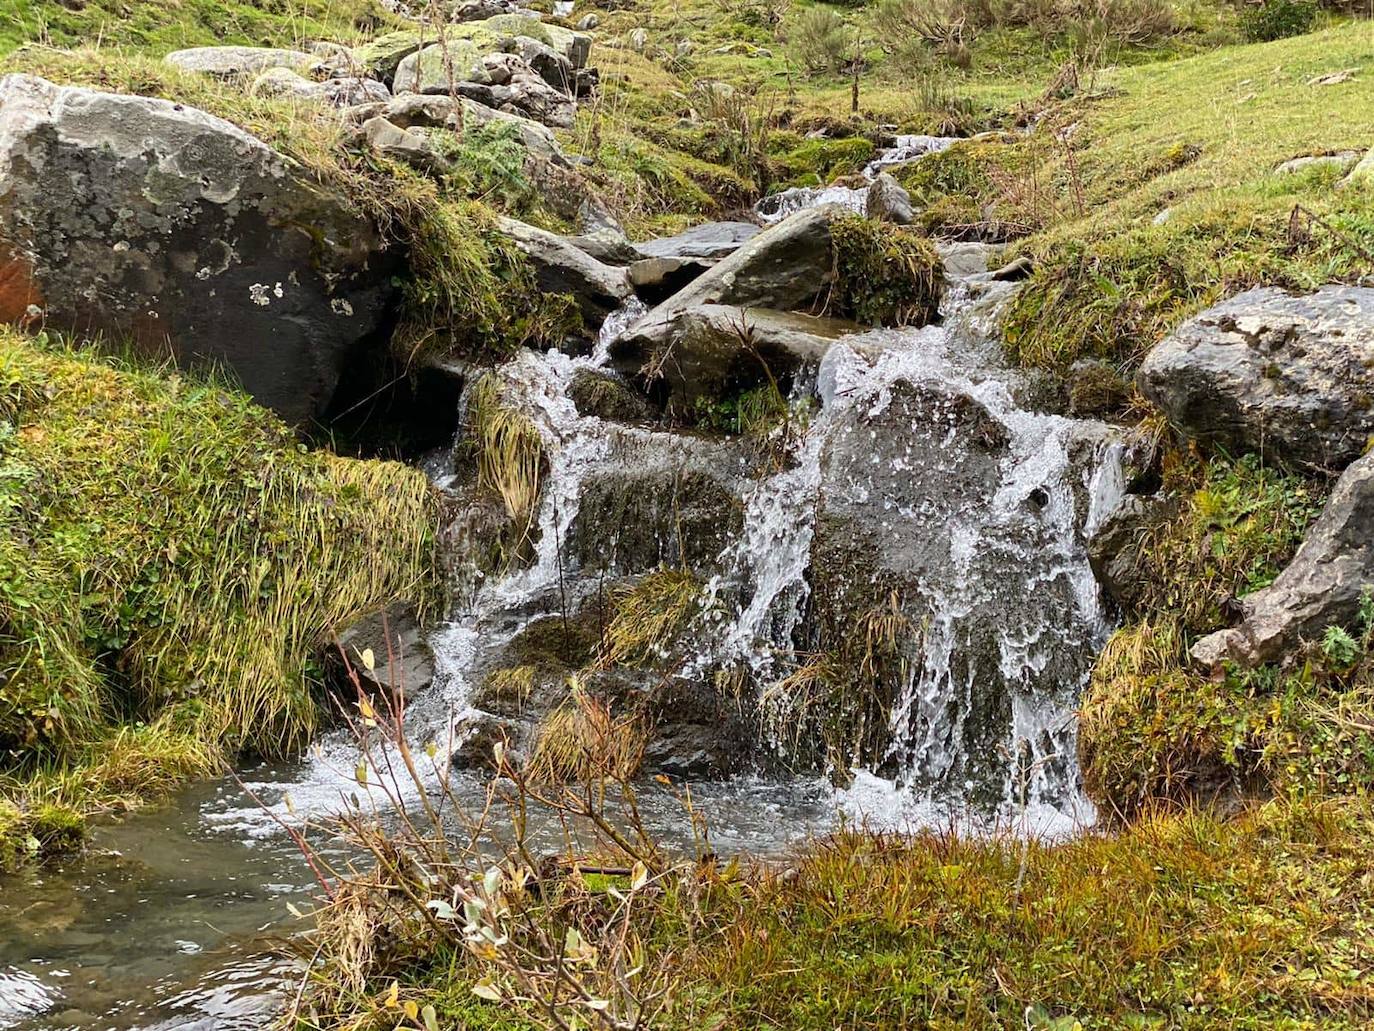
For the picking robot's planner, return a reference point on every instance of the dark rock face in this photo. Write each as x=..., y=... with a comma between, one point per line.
x=403, y=664
x=632, y=520
x=714, y=350
x=1115, y=548
x=145, y=220
x=606, y=397
x=1322, y=586
x=1290, y=377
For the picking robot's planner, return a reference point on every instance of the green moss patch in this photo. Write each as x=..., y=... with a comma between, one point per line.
x=884, y=274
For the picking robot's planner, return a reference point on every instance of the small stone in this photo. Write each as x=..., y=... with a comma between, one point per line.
x=888, y=201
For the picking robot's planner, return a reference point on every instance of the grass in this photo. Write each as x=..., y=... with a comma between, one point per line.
x=161, y=28
x=884, y=274
x=169, y=548
x=1111, y=277
x=647, y=616
x=510, y=454
x=584, y=740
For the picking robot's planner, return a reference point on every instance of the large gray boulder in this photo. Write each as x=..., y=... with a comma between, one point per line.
x=1288, y=376
x=939, y=503
x=561, y=267
x=1322, y=587
x=712, y=351
x=238, y=62
x=158, y=224
x=502, y=81
x=786, y=266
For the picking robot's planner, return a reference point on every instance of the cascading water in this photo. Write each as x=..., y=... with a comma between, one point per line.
x=905, y=149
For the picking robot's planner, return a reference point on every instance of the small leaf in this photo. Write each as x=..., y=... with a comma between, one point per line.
x=360, y=773
x=393, y=997
x=639, y=876
x=430, y=1018
x=484, y=989
x=410, y=1009
x=491, y=880
x=441, y=909
x=369, y=660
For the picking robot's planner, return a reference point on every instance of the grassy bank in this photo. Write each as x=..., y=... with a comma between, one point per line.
x=171, y=558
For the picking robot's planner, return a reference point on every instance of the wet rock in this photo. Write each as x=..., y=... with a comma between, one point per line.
x=606, y=397
x=929, y=510
x=657, y=279
x=159, y=224
x=889, y=202
x=710, y=240
x=711, y=351
x=1288, y=376
x=1322, y=587
x=608, y=246
x=560, y=267
x=784, y=267
x=588, y=22
x=402, y=145
x=477, y=735
x=636, y=518
x=1116, y=547
x=237, y=62
x=403, y=664
x=695, y=733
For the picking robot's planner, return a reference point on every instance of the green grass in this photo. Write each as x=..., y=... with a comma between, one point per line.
x=170, y=555
x=1199, y=138
x=159, y=28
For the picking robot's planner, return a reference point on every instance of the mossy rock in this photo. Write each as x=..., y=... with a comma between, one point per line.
x=817, y=162
x=884, y=274
x=606, y=397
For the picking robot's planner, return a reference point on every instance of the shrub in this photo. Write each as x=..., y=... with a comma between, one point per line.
x=912, y=29
x=1278, y=19
x=819, y=40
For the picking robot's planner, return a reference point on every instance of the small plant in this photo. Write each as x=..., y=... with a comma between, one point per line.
x=1278, y=19
x=1340, y=649
x=819, y=40
x=648, y=615
x=510, y=452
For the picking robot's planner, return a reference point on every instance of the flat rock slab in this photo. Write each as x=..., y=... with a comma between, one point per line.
x=1288, y=376
x=159, y=224
x=563, y=268
x=233, y=62
x=710, y=351
x=710, y=240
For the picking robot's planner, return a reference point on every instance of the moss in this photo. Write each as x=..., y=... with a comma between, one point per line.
x=817, y=162
x=165, y=540
x=884, y=274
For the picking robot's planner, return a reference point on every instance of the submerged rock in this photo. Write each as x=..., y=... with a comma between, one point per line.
x=157, y=223
x=1322, y=587
x=1288, y=376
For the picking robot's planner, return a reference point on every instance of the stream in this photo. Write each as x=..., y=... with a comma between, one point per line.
x=169, y=920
